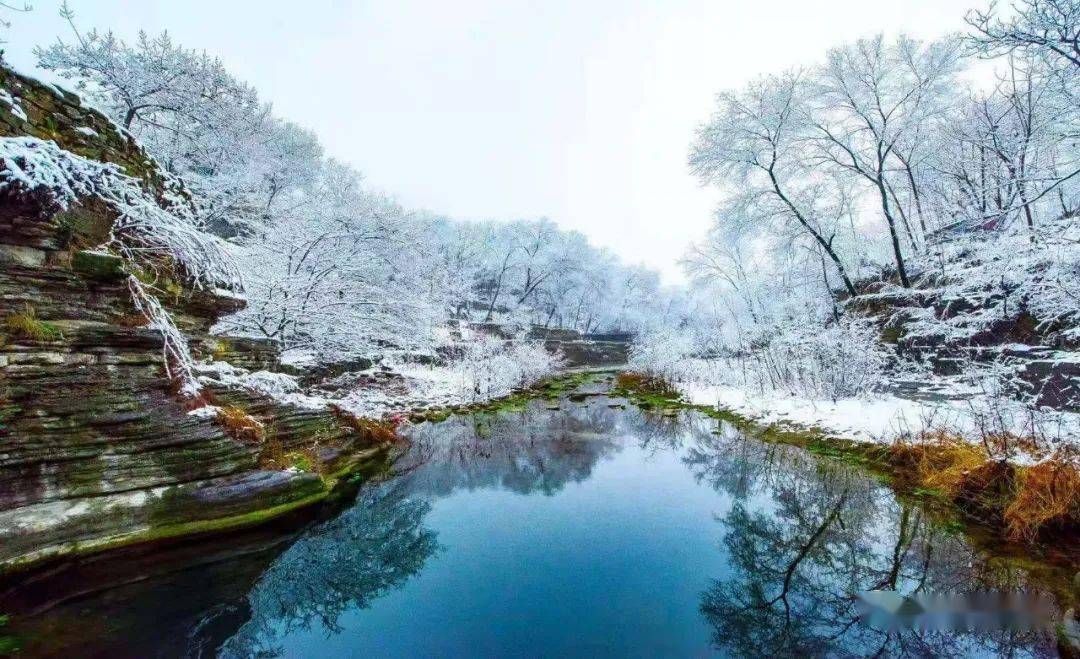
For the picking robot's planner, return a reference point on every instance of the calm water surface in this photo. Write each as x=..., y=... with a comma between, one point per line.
x=588, y=530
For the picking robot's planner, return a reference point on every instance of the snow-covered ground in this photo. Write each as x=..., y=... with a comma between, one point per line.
x=952, y=406
x=946, y=405
x=865, y=419
x=394, y=391
x=485, y=370
x=414, y=386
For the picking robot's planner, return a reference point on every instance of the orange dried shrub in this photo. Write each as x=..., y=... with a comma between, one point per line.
x=370, y=430
x=938, y=461
x=1025, y=500
x=630, y=379
x=240, y=425
x=376, y=432
x=1047, y=497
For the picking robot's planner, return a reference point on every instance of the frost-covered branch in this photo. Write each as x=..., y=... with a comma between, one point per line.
x=144, y=231
x=179, y=364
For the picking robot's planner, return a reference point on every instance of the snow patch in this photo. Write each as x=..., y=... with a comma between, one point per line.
x=14, y=103
x=885, y=417
x=205, y=412
x=278, y=386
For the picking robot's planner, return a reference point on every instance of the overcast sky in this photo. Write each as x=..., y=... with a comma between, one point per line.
x=579, y=110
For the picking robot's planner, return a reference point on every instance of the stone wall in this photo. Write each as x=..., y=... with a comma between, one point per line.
x=96, y=447
x=579, y=350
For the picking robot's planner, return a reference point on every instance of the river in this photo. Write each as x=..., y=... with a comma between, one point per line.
x=569, y=527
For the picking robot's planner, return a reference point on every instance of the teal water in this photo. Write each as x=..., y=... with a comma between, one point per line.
x=585, y=531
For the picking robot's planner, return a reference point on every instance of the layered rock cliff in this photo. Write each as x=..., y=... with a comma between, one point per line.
x=96, y=446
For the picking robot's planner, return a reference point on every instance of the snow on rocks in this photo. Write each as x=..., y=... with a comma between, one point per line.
x=279, y=386
x=16, y=107
x=205, y=412
x=298, y=358
x=142, y=229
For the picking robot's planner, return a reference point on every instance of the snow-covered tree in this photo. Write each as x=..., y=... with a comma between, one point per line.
x=873, y=102
x=881, y=177
x=755, y=146
x=1048, y=28
x=341, y=273
x=1002, y=156
x=195, y=118
x=331, y=267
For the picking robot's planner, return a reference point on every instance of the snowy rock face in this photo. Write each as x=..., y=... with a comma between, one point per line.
x=30, y=108
x=90, y=421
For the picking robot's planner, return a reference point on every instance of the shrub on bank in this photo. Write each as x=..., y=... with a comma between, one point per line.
x=240, y=425
x=1027, y=500
x=645, y=383
x=371, y=431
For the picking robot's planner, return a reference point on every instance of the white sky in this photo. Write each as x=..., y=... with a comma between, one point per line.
x=580, y=110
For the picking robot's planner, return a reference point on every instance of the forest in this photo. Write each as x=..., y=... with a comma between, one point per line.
x=330, y=269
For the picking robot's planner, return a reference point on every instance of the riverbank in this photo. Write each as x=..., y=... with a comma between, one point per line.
x=1033, y=503
x=331, y=449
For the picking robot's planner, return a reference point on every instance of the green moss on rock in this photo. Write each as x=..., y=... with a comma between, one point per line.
x=98, y=266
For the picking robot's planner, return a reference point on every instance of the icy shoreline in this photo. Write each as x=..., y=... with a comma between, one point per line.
x=887, y=417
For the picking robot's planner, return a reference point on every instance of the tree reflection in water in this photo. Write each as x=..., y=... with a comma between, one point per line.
x=798, y=537
x=805, y=535
x=380, y=542
x=345, y=563
x=530, y=451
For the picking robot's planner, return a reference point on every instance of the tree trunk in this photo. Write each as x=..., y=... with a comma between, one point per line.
x=825, y=244
x=897, y=253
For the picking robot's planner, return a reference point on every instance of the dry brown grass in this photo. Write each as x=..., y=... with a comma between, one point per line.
x=370, y=430
x=1027, y=501
x=646, y=383
x=240, y=425
x=938, y=461
x=1047, y=497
